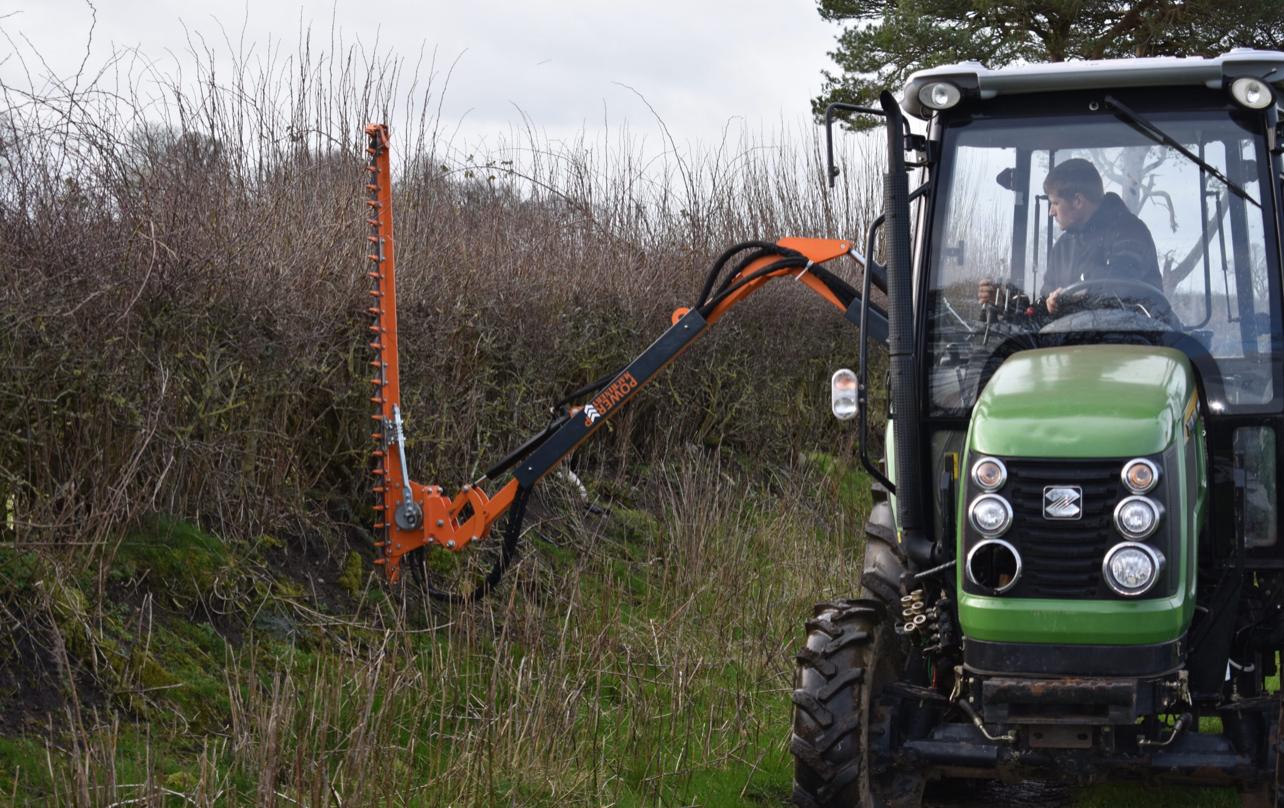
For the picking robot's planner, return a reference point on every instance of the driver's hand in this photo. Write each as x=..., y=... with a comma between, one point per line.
x=985, y=292
x=1053, y=301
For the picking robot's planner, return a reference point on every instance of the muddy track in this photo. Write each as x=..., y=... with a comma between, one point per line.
x=983, y=794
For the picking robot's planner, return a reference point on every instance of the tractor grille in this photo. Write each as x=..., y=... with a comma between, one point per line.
x=1062, y=559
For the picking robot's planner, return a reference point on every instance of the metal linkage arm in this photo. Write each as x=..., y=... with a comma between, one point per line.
x=589, y=418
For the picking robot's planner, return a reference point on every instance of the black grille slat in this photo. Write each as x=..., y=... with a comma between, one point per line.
x=1086, y=532
x=1044, y=564
x=1062, y=559
x=1065, y=578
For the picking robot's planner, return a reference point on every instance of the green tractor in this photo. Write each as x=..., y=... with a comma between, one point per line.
x=1073, y=568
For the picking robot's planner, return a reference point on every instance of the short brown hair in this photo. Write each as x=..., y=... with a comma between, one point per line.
x=1075, y=176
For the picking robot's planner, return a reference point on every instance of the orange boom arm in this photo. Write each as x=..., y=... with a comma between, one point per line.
x=412, y=515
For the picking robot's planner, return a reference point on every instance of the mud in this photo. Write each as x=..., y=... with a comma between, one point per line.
x=986, y=794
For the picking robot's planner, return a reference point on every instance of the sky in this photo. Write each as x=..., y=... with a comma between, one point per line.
x=568, y=67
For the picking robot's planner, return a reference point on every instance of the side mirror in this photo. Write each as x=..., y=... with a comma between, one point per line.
x=844, y=394
x=831, y=170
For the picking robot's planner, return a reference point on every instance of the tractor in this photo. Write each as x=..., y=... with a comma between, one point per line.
x=1072, y=567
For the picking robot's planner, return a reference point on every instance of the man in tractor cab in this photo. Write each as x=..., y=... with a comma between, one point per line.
x=1101, y=239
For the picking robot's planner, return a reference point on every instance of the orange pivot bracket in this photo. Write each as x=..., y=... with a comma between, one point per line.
x=754, y=274
x=817, y=250
x=451, y=523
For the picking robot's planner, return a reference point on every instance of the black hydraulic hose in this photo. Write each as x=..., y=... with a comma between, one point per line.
x=764, y=248
x=744, y=264
x=784, y=263
x=729, y=285
x=844, y=291
x=900, y=345
x=514, y=457
x=841, y=289
x=783, y=252
x=726, y=256
x=591, y=387
x=507, y=553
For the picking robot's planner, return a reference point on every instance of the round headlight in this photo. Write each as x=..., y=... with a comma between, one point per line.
x=991, y=515
x=989, y=473
x=939, y=95
x=1131, y=569
x=1137, y=517
x=1139, y=475
x=993, y=564
x=1251, y=93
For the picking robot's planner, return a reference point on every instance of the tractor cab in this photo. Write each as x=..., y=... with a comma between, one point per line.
x=1207, y=283
x=1077, y=573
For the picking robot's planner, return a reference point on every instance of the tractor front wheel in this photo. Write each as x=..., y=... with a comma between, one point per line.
x=850, y=655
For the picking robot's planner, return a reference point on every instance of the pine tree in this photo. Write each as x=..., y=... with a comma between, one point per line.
x=883, y=41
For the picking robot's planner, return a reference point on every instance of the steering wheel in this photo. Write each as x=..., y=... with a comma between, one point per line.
x=1119, y=293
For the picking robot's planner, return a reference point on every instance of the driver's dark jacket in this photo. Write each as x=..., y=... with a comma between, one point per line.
x=1113, y=244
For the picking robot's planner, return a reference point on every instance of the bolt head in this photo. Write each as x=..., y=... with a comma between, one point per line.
x=441, y=522
x=451, y=544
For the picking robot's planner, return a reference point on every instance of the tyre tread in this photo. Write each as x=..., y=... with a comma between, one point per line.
x=831, y=670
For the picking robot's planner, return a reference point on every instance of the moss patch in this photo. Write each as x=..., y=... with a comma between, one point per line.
x=353, y=576
x=175, y=560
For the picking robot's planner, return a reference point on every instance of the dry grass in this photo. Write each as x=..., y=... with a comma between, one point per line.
x=634, y=659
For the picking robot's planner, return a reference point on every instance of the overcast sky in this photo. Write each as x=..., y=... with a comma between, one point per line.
x=567, y=64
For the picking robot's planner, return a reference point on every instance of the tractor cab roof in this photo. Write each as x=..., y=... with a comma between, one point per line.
x=975, y=80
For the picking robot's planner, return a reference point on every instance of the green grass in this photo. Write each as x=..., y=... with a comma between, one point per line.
x=641, y=657
x=638, y=657
x=23, y=769
x=1118, y=795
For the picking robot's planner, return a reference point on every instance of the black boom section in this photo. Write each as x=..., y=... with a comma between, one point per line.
x=626, y=384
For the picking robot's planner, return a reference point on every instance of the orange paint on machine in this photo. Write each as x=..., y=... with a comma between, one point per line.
x=615, y=393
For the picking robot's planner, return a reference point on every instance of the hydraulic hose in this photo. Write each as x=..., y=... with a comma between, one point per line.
x=775, y=266
x=591, y=387
x=507, y=554
x=744, y=264
x=721, y=261
x=761, y=249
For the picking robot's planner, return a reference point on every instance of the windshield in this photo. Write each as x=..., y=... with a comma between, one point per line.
x=1080, y=230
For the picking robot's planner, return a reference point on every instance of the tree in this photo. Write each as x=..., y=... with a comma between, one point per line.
x=883, y=41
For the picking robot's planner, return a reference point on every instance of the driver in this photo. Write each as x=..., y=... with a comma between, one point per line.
x=1102, y=239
